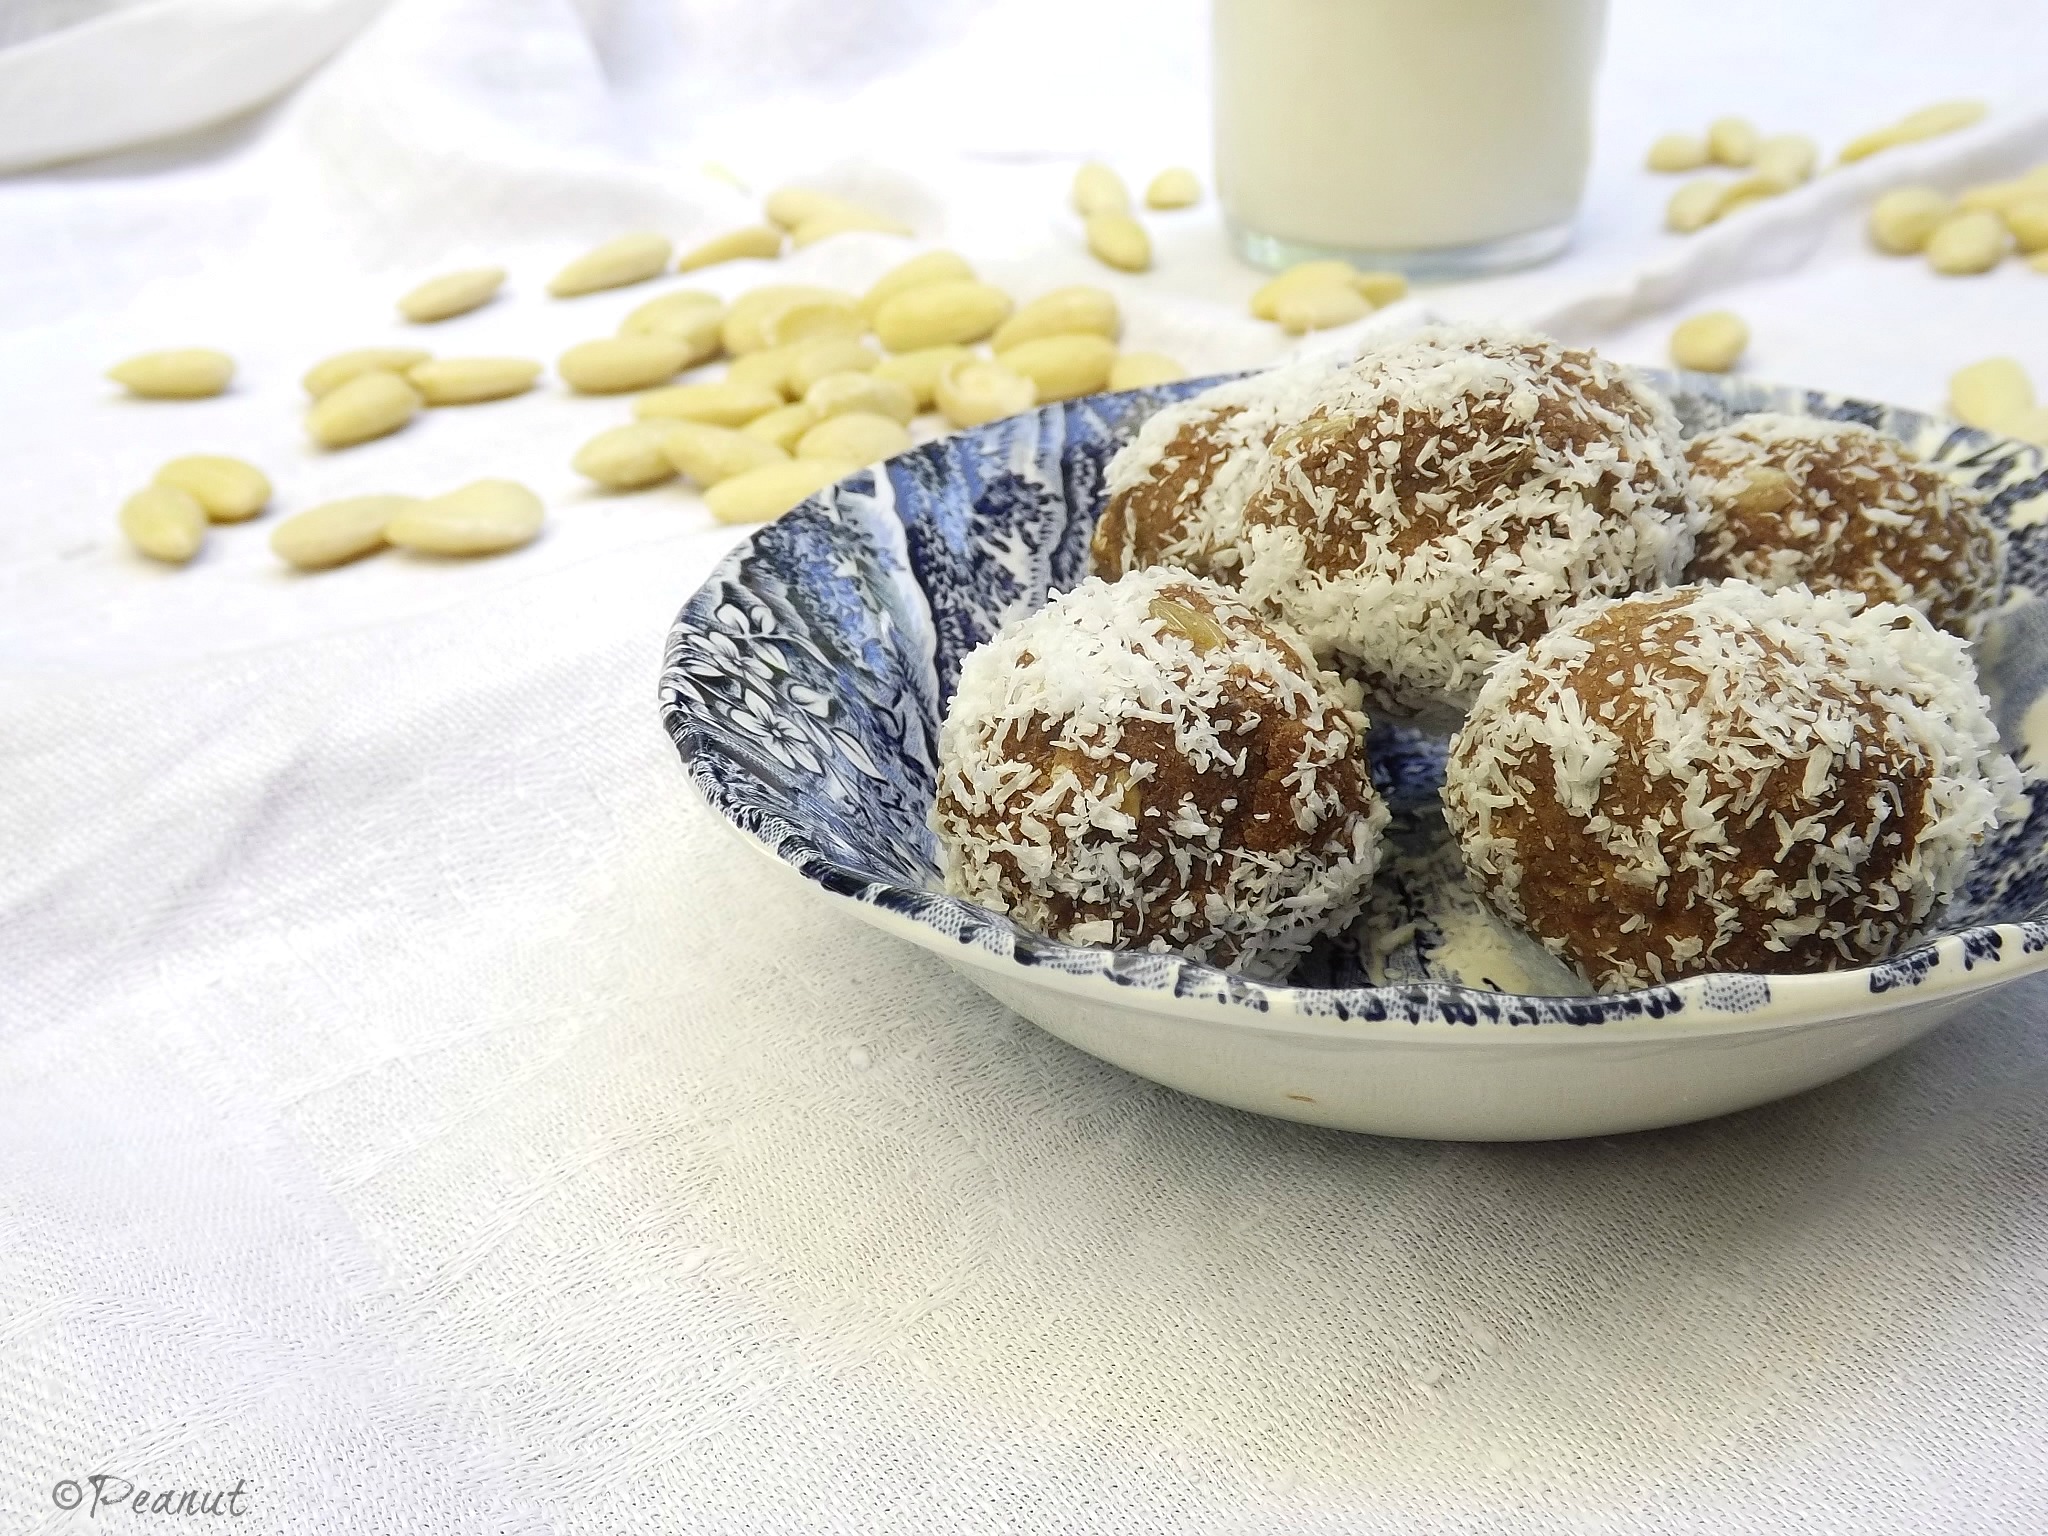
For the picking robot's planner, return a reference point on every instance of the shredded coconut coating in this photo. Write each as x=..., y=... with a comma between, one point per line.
x=1151, y=764
x=1842, y=507
x=1457, y=490
x=1176, y=491
x=1717, y=778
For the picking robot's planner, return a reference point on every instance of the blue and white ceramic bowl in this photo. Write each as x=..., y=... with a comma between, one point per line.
x=804, y=686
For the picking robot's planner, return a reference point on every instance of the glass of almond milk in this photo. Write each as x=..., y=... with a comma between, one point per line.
x=1440, y=137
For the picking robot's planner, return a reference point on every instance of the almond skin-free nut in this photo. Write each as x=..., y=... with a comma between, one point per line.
x=485, y=517
x=1321, y=307
x=330, y=373
x=1098, y=189
x=184, y=373
x=1063, y=312
x=1709, y=343
x=811, y=361
x=1174, y=187
x=230, y=490
x=749, y=317
x=1119, y=241
x=1064, y=367
x=452, y=294
x=1965, y=244
x=756, y=242
x=768, y=492
x=723, y=404
x=628, y=259
x=858, y=437
x=783, y=426
x=629, y=457
x=1678, y=152
x=165, y=523
x=854, y=391
x=370, y=405
x=1903, y=218
x=975, y=390
x=918, y=272
x=472, y=380
x=709, y=454
x=611, y=365
x=690, y=315
x=919, y=371
x=1990, y=394
x=937, y=314
x=336, y=532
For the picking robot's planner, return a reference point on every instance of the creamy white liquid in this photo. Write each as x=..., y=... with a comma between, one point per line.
x=1403, y=125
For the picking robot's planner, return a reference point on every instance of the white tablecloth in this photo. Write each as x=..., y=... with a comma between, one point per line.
x=412, y=1108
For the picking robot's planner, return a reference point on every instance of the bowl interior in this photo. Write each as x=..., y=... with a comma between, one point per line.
x=805, y=683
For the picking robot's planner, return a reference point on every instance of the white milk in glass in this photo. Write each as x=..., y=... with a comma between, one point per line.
x=1440, y=136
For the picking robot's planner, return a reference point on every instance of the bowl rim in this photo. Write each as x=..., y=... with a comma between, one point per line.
x=1947, y=968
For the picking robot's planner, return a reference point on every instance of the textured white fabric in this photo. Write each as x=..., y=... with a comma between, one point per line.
x=413, y=1105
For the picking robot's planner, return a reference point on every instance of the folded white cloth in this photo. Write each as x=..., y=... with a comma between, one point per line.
x=412, y=1104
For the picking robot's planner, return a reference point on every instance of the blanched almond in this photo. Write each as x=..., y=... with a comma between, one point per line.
x=1709, y=343
x=370, y=405
x=1991, y=393
x=330, y=373
x=1380, y=288
x=973, y=391
x=939, y=313
x=1120, y=241
x=846, y=221
x=1903, y=218
x=709, y=454
x=1063, y=367
x=1965, y=244
x=472, y=380
x=452, y=294
x=165, y=523
x=690, y=315
x=1174, y=187
x=853, y=391
x=749, y=318
x=765, y=493
x=785, y=424
x=230, y=490
x=757, y=242
x=723, y=404
x=185, y=373
x=811, y=361
x=1063, y=312
x=629, y=457
x=1786, y=160
x=856, y=437
x=918, y=272
x=485, y=517
x=612, y=365
x=1731, y=141
x=1266, y=301
x=1098, y=189
x=336, y=532
x=919, y=371
x=1678, y=152
x=628, y=259
x=1320, y=307
x=794, y=207
x=2028, y=221
x=765, y=369
x=1695, y=205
